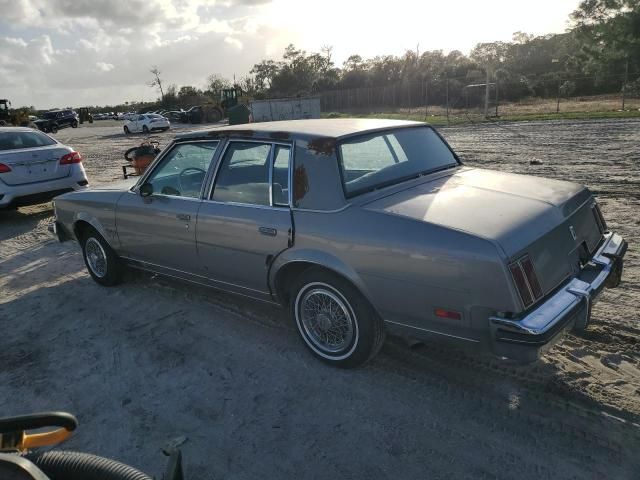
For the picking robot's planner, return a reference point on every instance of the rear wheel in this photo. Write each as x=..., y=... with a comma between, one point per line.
x=335, y=321
x=74, y=124
x=126, y=130
x=214, y=115
x=101, y=261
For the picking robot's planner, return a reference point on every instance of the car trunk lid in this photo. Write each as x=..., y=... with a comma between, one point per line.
x=31, y=165
x=550, y=220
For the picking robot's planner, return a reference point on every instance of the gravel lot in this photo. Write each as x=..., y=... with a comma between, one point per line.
x=154, y=361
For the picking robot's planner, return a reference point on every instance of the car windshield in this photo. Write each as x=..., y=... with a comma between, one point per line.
x=17, y=140
x=385, y=158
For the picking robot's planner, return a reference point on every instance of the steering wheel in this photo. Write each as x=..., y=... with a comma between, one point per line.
x=182, y=189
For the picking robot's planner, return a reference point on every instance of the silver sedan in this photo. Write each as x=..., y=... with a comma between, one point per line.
x=358, y=227
x=35, y=167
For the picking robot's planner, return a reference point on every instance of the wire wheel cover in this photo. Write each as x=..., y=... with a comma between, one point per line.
x=327, y=320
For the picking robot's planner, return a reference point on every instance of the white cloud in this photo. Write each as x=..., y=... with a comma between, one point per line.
x=105, y=67
x=234, y=42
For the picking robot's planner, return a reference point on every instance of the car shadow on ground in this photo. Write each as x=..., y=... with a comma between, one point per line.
x=21, y=220
x=153, y=358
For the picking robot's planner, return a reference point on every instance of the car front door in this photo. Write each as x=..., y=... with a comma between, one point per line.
x=246, y=221
x=159, y=228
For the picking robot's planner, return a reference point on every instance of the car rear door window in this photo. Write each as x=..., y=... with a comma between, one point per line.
x=280, y=178
x=182, y=171
x=243, y=176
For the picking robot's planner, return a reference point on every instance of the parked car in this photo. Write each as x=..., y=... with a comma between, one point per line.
x=146, y=123
x=35, y=167
x=62, y=118
x=358, y=227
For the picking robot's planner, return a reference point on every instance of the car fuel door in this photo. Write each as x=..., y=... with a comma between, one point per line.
x=246, y=221
x=156, y=221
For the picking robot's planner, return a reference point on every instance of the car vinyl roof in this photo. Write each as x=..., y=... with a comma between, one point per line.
x=282, y=130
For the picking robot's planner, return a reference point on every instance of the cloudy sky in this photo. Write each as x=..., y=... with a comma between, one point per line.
x=88, y=52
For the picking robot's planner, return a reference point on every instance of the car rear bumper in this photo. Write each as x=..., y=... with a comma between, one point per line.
x=31, y=193
x=525, y=339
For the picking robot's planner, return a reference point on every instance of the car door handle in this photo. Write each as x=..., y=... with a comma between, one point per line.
x=271, y=232
x=184, y=217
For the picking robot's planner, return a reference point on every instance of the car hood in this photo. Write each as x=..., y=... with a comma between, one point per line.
x=511, y=210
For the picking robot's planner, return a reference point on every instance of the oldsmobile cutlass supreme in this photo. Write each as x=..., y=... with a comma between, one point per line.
x=358, y=227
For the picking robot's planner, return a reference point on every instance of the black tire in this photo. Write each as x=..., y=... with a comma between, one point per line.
x=53, y=128
x=102, y=263
x=214, y=116
x=64, y=465
x=3, y=123
x=126, y=130
x=74, y=124
x=145, y=129
x=356, y=315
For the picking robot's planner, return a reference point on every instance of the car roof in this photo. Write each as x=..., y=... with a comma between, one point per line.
x=330, y=127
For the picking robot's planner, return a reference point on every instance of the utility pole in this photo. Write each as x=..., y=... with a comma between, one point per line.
x=624, y=82
x=486, y=95
x=447, y=98
x=496, y=96
x=558, y=97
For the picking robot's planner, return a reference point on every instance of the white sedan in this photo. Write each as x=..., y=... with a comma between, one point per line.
x=35, y=167
x=146, y=123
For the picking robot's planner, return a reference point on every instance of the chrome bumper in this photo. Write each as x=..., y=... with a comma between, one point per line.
x=526, y=338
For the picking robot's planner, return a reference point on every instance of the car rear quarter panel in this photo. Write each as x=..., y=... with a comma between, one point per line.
x=407, y=269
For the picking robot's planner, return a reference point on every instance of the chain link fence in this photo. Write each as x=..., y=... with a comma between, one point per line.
x=459, y=97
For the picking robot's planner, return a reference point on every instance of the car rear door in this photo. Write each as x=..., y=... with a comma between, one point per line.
x=31, y=157
x=246, y=221
x=159, y=229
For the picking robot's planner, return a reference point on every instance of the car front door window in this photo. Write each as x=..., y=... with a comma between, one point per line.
x=182, y=172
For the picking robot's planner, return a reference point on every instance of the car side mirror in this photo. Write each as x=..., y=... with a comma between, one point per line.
x=146, y=189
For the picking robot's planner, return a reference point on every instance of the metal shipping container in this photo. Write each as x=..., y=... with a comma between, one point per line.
x=285, y=109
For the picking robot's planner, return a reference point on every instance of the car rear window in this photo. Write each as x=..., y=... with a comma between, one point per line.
x=384, y=158
x=18, y=140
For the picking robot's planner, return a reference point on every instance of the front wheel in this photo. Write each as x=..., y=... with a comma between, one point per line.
x=145, y=129
x=126, y=130
x=74, y=124
x=101, y=261
x=335, y=321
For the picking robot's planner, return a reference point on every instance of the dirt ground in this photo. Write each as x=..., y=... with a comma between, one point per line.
x=154, y=361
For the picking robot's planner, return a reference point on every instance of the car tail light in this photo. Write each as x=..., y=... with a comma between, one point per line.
x=69, y=158
x=4, y=168
x=602, y=224
x=526, y=280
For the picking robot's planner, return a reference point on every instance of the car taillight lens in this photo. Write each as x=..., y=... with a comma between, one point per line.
x=4, y=168
x=602, y=224
x=526, y=280
x=69, y=158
